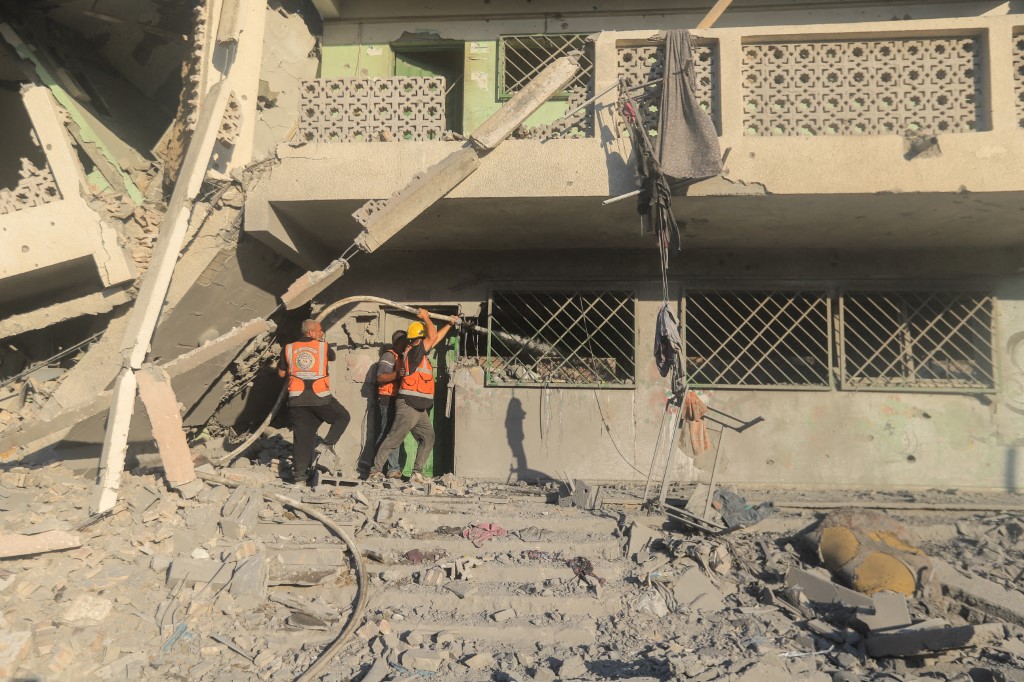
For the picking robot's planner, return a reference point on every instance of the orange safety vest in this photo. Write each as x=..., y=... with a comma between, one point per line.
x=388, y=389
x=307, y=362
x=418, y=382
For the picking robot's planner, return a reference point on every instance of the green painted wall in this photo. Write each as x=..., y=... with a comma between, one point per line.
x=480, y=98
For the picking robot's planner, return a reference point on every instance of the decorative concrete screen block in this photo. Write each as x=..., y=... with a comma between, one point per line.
x=372, y=109
x=36, y=187
x=1018, y=75
x=229, y=125
x=645, y=63
x=863, y=87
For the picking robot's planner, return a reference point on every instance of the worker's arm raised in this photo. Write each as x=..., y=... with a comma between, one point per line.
x=435, y=335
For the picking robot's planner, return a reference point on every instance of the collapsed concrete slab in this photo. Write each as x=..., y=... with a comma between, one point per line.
x=91, y=304
x=33, y=436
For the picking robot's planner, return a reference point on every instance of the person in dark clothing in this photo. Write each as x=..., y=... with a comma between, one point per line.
x=415, y=397
x=310, y=403
x=388, y=383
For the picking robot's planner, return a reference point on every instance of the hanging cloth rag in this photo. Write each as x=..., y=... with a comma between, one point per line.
x=694, y=410
x=687, y=143
x=668, y=347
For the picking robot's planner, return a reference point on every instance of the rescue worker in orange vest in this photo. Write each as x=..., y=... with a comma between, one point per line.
x=388, y=383
x=415, y=397
x=310, y=403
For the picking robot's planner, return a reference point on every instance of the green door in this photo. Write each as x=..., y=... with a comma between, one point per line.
x=447, y=61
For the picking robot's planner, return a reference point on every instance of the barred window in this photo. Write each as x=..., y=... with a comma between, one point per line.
x=521, y=58
x=545, y=338
x=917, y=340
x=758, y=339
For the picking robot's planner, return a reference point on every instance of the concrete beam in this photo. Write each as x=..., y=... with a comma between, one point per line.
x=165, y=418
x=155, y=282
x=92, y=304
x=422, y=192
x=115, y=442
x=305, y=288
x=524, y=103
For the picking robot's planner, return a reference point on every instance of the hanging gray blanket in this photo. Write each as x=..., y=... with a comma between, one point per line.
x=687, y=143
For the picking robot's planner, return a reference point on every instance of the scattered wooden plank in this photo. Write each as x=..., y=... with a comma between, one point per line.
x=15, y=545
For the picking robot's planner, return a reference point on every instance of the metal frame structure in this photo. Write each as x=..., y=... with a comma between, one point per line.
x=558, y=352
x=917, y=341
x=807, y=315
x=515, y=68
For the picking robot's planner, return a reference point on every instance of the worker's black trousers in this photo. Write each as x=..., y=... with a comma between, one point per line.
x=306, y=419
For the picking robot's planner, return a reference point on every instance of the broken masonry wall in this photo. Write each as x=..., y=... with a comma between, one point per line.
x=290, y=55
x=808, y=438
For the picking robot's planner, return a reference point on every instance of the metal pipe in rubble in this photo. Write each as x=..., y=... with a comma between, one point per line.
x=323, y=314
x=362, y=585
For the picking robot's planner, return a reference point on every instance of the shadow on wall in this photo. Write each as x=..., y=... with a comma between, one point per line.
x=519, y=469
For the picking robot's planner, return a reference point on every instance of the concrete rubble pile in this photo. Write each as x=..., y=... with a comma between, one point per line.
x=147, y=531
x=220, y=582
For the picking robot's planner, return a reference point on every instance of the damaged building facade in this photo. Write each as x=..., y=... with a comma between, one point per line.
x=849, y=288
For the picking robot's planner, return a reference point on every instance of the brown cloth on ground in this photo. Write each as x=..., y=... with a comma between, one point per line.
x=687, y=142
x=694, y=410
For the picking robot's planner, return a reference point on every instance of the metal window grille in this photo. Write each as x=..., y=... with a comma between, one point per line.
x=758, y=339
x=902, y=340
x=544, y=338
x=522, y=57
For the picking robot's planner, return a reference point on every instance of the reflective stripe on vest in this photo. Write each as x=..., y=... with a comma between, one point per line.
x=419, y=382
x=389, y=388
x=307, y=362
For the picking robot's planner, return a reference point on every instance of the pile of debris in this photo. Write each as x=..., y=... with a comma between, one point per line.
x=475, y=580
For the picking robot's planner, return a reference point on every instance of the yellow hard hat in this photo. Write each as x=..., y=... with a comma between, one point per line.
x=416, y=331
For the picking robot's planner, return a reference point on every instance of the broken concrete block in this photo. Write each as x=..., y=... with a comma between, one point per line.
x=694, y=591
x=890, y=612
x=822, y=590
x=86, y=609
x=378, y=671
x=461, y=588
x=14, y=647
x=368, y=630
x=387, y=510
x=422, y=659
x=479, y=661
x=979, y=593
x=250, y=577
x=432, y=576
x=572, y=668
x=504, y=615
x=932, y=635
x=639, y=537
x=199, y=571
